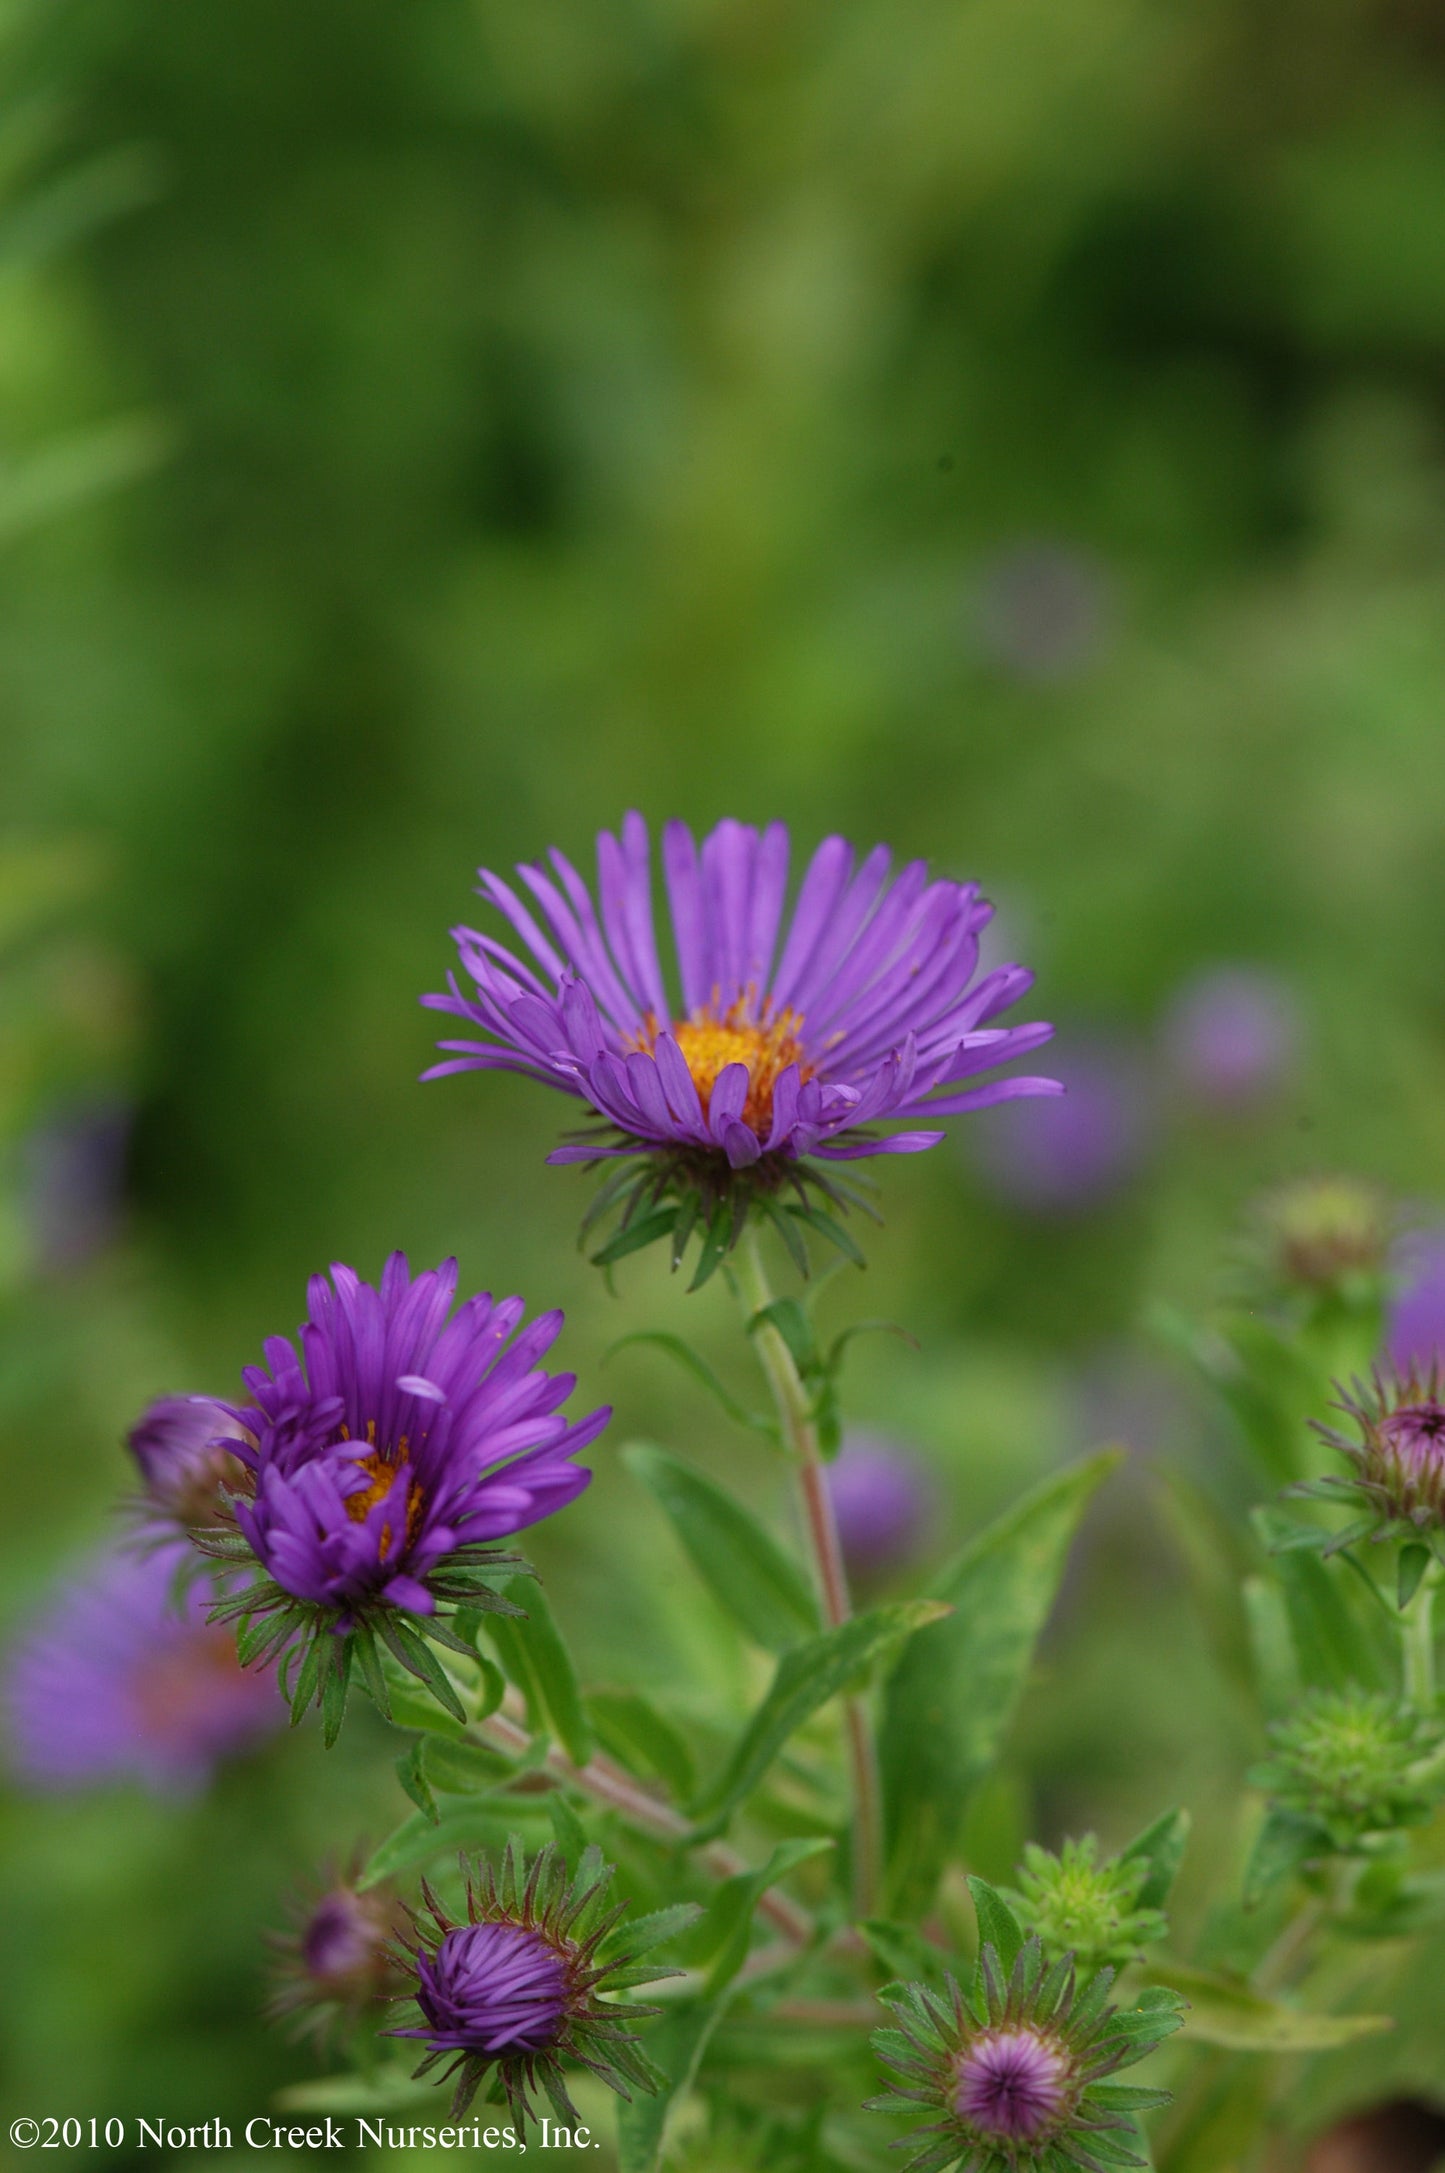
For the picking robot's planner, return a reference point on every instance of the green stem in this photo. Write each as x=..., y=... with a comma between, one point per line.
x=800, y=1434
x=1418, y=1636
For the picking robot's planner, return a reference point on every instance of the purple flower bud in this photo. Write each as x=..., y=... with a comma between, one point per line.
x=493, y=1988
x=1073, y=1152
x=339, y=1957
x=1399, y=1457
x=1012, y=2083
x=1232, y=1036
x=883, y=1499
x=179, y=1445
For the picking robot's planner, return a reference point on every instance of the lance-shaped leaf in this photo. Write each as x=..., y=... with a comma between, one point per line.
x=741, y=1564
x=535, y=1656
x=1161, y=1847
x=482, y=1822
x=676, y=2045
x=1284, y=1844
x=953, y=1692
x=679, y=1348
x=1340, y=1635
x=1227, y=2012
x=642, y=1738
x=806, y=1679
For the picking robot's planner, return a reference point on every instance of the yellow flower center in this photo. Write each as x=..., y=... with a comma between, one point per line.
x=767, y=1041
x=381, y=1471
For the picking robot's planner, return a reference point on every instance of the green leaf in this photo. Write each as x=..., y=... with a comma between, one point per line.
x=787, y=1317
x=642, y=1739
x=1276, y=1669
x=1227, y=2012
x=412, y=1775
x=535, y=1656
x=723, y=1933
x=1284, y=1844
x=640, y=1935
x=740, y=1562
x=1335, y=1643
x=998, y=1927
x=675, y=2045
x=1161, y=1846
x=953, y=1692
x=679, y=1348
x=645, y=1231
x=465, y=1768
x=477, y=1824
x=1414, y=1561
x=717, y=1243
x=806, y=1678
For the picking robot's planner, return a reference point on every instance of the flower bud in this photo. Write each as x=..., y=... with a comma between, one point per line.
x=1357, y=1764
x=1076, y=1905
x=1324, y=1234
x=1399, y=1457
x=339, y=1957
x=180, y=1452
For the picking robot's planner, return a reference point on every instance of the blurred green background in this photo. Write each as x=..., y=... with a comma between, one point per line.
x=1012, y=430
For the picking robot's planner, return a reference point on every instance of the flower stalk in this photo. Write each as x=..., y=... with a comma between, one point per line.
x=1418, y=1638
x=800, y=1436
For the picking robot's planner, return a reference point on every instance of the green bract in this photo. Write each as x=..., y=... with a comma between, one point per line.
x=1356, y=1764
x=1075, y=1905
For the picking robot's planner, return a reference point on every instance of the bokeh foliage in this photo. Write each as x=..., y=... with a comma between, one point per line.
x=1011, y=430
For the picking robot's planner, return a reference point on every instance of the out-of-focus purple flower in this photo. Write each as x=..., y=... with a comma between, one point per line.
x=1012, y=2085
x=339, y=1958
x=883, y=1500
x=1416, y=1334
x=1399, y=1457
x=122, y=1680
x=399, y=1442
x=1068, y=1155
x=178, y=1444
x=792, y=1036
x=73, y=1178
x=1232, y=1036
x=1042, y=611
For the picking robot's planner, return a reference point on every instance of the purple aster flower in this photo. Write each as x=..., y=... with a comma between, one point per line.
x=1066, y=1156
x=1232, y=1036
x=122, y=1679
x=1416, y=1335
x=1012, y=2083
x=179, y=1445
x=518, y=1986
x=394, y=1448
x=790, y=1035
x=883, y=1500
x=1017, y=2074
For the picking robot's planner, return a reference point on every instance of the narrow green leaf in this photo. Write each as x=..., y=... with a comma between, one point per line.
x=717, y=1243
x=417, y=1657
x=1414, y=1561
x=682, y=1229
x=1227, y=2012
x=787, y=1317
x=462, y=1768
x=676, y=2045
x=645, y=1231
x=903, y=1951
x=1284, y=1844
x=807, y=1677
x=643, y=1934
x=679, y=1348
x=953, y=1692
x=741, y=1564
x=411, y=1773
x=478, y=1824
x=998, y=1927
x=535, y=1656
x=723, y=1932
x=567, y=1826
x=826, y=1227
x=1276, y=1668
x=1335, y=1640
x=335, y=1681
x=789, y=1232
x=642, y=1739
x=1161, y=1847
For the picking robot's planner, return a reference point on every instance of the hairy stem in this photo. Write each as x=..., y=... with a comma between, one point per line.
x=800, y=1434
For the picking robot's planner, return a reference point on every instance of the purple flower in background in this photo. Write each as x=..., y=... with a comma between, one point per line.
x=1232, y=1036
x=1416, y=1333
x=123, y=1680
x=399, y=1442
x=792, y=1035
x=178, y=1444
x=1066, y=1156
x=1012, y=2084
x=884, y=1498
x=73, y=1180
x=339, y=1958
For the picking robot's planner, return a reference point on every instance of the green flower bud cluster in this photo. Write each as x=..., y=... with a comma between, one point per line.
x=1356, y=1764
x=1073, y=1904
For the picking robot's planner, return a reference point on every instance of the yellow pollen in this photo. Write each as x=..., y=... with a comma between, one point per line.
x=382, y=1475
x=767, y=1041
